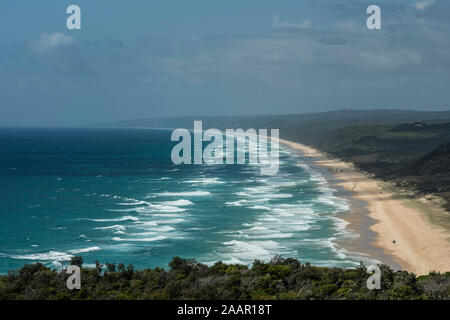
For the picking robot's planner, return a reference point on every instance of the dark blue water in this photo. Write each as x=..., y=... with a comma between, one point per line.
x=114, y=195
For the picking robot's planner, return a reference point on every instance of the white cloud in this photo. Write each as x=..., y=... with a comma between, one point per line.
x=423, y=4
x=305, y=24
x=50, y=42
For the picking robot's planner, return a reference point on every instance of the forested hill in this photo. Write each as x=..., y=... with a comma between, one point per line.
x=436, y=162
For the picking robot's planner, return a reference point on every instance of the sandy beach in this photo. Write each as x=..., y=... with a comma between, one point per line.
x=402, y=226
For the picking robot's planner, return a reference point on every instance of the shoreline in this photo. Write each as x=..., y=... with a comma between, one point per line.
x=358, y=223
x=392, y=228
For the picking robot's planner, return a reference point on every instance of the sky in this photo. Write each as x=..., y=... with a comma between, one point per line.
x=151, y=59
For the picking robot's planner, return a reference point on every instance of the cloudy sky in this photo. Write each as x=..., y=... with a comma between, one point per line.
x=145, y=58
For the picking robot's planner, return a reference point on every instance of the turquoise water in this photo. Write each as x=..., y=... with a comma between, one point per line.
x=114, y=195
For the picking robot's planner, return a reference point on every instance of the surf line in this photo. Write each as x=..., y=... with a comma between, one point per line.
x=250, y=141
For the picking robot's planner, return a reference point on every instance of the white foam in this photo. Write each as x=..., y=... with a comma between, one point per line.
x=169, y=221
x=168, y=215
x=235, y=203
x=260, y=208
x=242, y=194
x=158, y=222
x=278, y=196
x=158, y=238
x=272, y=235
x=85, y=250
x=146, y=223
x=242, y=248
x=284, y=184
x=150, y=208
x=134, y=203
x=116, y=227
x=125, y=218
x=265, y=192
x=160, y=208
x=260, y=200
x=282, y=212
x=205, y=181
x=328, y=198
x=198, y=193
x=164, y=229
x=49, y=256
x=259, y=189
x=180, y=203
x=269, y=219
x=256, y=228
x=250, y=250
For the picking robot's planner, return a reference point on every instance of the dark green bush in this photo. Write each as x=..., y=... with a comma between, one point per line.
x=187, y=279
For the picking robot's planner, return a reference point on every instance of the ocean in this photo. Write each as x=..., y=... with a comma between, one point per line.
x=113, y=195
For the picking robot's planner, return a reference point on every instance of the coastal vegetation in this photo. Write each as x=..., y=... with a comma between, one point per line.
x=281, y=278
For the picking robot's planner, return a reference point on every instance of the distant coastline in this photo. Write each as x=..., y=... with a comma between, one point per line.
x=403, y=230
